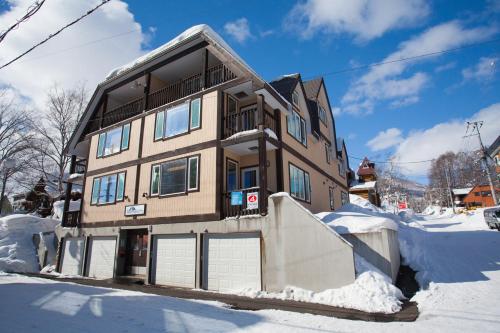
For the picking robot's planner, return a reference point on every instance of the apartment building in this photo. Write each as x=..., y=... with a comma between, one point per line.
x=184, y=156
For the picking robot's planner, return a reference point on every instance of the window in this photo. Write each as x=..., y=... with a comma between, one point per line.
x=295, y=98
x=195, y=113
x=193, y=173
x=344, y=197
x=300, y=184
x=108, y=189
x=328, y=150
x=486, y=193
x=250, y=177
x=297, y=127
x=477, y=194
x=175, y=177
x=322, y=114
x=178, y=119
x=331, y=196
x=231, y=175
x=342, y=167
x=113, y=141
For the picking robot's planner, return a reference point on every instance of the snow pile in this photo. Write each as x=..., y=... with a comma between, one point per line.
x=359, y=216
x=241, y=134
x=407, y=215
x=58, y=208
x=371, y=292
x=432, y=210
x=17, y=252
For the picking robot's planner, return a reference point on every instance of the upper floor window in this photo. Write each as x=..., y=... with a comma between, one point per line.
x=113, y=141
x=176, y=176
x=178, y=119
x=108, y=189
x=328, y=149
x=342, y=167
x=300, y=183
x=295, y=97
x=322, y=114
x=297, y=127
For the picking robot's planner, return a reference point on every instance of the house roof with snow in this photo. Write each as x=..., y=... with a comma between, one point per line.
x=461, y=191
x=366, y=168
x=363, y=185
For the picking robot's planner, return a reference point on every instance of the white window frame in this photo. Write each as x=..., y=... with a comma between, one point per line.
x=101, y=151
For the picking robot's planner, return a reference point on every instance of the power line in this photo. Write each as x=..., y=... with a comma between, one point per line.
x=423, y=55
x=56, y=33
x=29, y=13
x=393, y=162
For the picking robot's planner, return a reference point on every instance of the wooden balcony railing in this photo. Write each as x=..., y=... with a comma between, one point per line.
x=246, y=120
x=242, y=210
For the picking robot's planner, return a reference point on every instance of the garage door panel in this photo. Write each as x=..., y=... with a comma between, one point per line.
x=102, y=257
x=175, y=260
x=232, y=262
x=72, y=256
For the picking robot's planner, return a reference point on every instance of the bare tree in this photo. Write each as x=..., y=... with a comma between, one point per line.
x=64, y=108
x=16, y=138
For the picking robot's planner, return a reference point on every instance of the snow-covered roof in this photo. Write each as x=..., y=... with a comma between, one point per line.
x=462, y=191
x=363, y=186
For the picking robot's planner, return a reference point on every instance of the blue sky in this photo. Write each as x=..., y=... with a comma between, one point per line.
x=411, y=110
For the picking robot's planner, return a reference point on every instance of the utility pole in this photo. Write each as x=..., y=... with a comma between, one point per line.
x=450, y=196
x=476, y=126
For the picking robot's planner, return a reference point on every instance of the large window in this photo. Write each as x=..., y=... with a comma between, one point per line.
x=297, y=127
x=113, y=141
x=300, y=183
x=178, y=120
x=108, y=189
x=322, y=114
x=175, y=177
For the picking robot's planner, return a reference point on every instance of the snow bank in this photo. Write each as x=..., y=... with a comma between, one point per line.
x=359, y=216
x=17, y=252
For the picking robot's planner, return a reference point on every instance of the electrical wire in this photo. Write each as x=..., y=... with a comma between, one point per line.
x=35, y=7
x=56, y=33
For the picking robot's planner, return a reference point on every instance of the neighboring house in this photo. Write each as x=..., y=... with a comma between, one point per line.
x=480, y=196
x=494, y=152
x=459, y=195
x=366, y=184
x=182, y=151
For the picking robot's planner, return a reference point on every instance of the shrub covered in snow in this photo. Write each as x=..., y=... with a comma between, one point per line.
x=17, y=252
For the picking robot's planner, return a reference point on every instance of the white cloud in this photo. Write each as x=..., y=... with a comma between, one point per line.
x=388, y=82
x=426, y=144
x=445, y=67
x=239, y=29
x=385, y=139
x=484, y=70
x=364, y=19
x=74, y=56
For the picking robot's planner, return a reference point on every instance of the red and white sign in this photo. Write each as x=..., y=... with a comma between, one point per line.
x=253, y=200
x=402, y=205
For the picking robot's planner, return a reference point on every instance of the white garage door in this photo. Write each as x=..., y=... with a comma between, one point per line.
x=102, y=257
x=174, y=260
x=72, y=256
x=232, y=262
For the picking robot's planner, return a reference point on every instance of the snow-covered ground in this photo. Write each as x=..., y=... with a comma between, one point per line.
x=457, y=257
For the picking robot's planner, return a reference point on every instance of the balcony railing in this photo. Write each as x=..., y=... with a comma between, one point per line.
x=242, y=210
x=71, y=219
x=246, y=120
x=123, y=112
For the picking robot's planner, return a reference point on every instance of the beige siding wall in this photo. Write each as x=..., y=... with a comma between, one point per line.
x=194, y=203
x=108, y=212
x=207, y=132
x=127, y=155
x=319, y=185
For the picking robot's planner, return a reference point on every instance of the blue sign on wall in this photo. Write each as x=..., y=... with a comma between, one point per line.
x=236, y=198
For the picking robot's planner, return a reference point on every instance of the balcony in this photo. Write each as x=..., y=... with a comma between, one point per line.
x=230, y=210
x=246, y=120
x=215, y=75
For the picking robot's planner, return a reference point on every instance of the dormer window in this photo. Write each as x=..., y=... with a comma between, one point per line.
x=113, y=141
x=295, y=98
x=322, y=114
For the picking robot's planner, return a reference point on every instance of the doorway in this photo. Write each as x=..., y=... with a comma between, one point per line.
x=136, y=252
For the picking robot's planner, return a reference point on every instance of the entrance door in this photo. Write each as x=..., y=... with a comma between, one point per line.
x=250, y=177
x=136, y=253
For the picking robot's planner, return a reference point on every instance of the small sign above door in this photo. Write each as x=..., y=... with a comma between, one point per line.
x=134, y=210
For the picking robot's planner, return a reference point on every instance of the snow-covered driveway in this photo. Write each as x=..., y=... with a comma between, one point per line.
x=458, y=257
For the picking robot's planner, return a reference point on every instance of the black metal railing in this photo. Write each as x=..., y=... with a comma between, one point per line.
x=71, y=219
x=123, y=112
x=245, y=120
x=243, y=210
x=218, y=74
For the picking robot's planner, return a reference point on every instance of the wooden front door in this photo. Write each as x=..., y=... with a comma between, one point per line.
x=137, y=250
